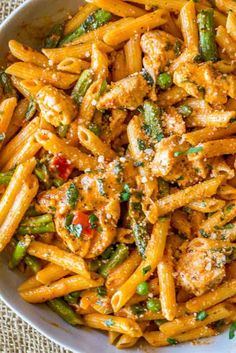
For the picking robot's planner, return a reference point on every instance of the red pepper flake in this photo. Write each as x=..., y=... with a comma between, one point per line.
x=61, y=166
x=83, y=219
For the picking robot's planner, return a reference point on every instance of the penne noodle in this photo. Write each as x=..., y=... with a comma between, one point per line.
x=80, y=51
x=73, y=65
x=189, y=322
x=139, y=25
x=30, y=283
x=17, y=119
x=22, y=172
x=218, y=295
x=7, y=108
x=59, y=288
x=189, y=27
x=118, y=324
x=167, y=288
x=214, y=149
x=59, y=257
x=226, y=42
x=51, y=273
x=159, y=339
x=28, y=151
x=79, y=18
x=17, y=210
x=119, y=66
x=119, y=8
x=231, y=24
x=153, y=255
x=133, y=55
x=93, y=143
x=55, y=145
x=209, y=133
x=183, y=197
x=29, y=71
x=27, y=54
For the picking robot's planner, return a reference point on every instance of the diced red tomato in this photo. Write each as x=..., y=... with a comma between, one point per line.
x=83, y=219
x=62, y=166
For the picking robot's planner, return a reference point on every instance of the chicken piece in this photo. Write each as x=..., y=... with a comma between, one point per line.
x=56, y=107
x=160, y=48
x=98, y=194
x=206, y=271
x=203, y=81
x=173, y=122
x=128, y=93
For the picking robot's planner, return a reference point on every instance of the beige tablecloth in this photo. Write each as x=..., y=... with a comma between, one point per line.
x=16, y=336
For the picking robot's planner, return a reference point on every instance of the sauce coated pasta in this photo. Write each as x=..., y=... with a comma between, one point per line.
x=117, y=182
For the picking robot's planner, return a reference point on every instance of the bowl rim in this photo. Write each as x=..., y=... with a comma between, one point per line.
x=4, y=299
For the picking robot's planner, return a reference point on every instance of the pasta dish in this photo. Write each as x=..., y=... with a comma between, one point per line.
x=118, y=159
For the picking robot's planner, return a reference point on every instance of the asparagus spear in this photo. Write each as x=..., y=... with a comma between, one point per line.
x=82, y=85
x=72, y=298
x=54, y=36
x=152, y=118
x=31, y=110
x=33, y=263
x=119, y=255
x=5, y=177
x=140, y=237
x=61, y=308
x=37, y=225
x=19, y=252
x=5, y=82
x=92, y=22
x=206, y=27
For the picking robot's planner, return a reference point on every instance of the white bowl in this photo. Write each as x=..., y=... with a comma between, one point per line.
x=24, y=24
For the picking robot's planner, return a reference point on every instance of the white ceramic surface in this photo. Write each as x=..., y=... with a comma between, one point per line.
x=23, y=24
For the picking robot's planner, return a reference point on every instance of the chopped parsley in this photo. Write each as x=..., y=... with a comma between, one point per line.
x=102, y=292
x=229, y=226
x=93, y=219
x=2, y=136
x=229, y=207
x=232, y=330
x=204, y=234
x=172, y=341
x=137, y=206
x=125, y=194
x=138, y=164
x=177, y=47
x=95, y=129
x=109, y=322
x=137, y=309
x=201, y=315
x=141, y=145
x=185, y=110
x=72, y=195
x=146, y=269
x=100, y=185
x=191, y=150
x=75, y=229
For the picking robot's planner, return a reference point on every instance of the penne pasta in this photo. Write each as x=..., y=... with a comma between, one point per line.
x=157, y=242
x=118, y=324
x=80, y=51
x=139, y=25
x=17, y=210
x=27, y=54
x=183, y=197
x=79, y=18
x=55, y=145
x=133, y=55
x=58, y=289
x=29, y=71
x=119, y=8
x=59, y=257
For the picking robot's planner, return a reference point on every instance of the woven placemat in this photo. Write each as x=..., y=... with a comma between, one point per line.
x=16, y=336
